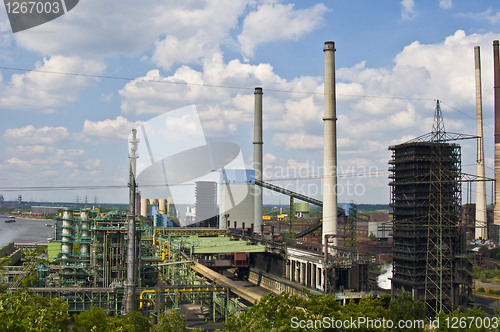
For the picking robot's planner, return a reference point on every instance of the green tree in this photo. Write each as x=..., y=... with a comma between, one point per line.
x=97, y=320
x=23, y=311
x=272, y=313
x=33, y=259
x=320, y=305
x=284, y=312
x=464, y=321
x=135, y=322
x=368, y=309
x=404, y=307
x=172, y=321
x=94, y=320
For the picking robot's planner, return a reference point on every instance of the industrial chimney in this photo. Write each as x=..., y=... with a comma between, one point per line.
x=257, y=160
x=330, y=147
x=130, y=300
x=496, y=69
x=481, y=221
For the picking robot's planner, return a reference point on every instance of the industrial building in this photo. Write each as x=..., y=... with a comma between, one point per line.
x=429, y=258
x=237, y=204
x=206, y=204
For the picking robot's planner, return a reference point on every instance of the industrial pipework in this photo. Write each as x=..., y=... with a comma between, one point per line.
x=480, y=227
x=67, y=237
x=257, y=160
x=330, y=147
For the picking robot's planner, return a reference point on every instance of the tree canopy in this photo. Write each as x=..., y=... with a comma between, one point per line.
x=25, y=311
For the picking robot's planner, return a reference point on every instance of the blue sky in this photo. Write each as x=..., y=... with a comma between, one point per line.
x=66, y=130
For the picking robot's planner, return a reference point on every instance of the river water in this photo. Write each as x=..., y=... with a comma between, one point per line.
x=25, y=231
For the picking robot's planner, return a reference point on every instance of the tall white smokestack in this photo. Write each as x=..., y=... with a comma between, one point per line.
x=257, y=160
x=481, y=221
x=496, y=69
x=330, y=147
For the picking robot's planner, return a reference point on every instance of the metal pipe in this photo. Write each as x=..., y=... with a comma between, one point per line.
x=496, y=86
x=138, y=203
x=481, y=221
x=330, y=147
x=257, y=160
x=130, y=300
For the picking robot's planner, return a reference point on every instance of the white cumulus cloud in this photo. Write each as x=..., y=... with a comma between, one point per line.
x=27, y=149
x=276, y=21
x=407, y=11
x=30, y=135
x=223, y=110
x=42, y=90
x=298, y=141
x=488, y=15
x=445, y=4
x=118, y=128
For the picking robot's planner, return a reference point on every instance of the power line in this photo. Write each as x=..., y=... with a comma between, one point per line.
x=101, y=187
x=226, y=87
x=200, y=84
x=122, y=78
x=457, y=110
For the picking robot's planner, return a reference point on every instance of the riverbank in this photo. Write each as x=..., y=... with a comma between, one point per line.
x=9, y=215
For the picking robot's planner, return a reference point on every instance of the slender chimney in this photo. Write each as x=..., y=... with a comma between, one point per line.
x=130, y=300
x=257, y=160
x=330, y=147
x=496, y=69
x=481, y=222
